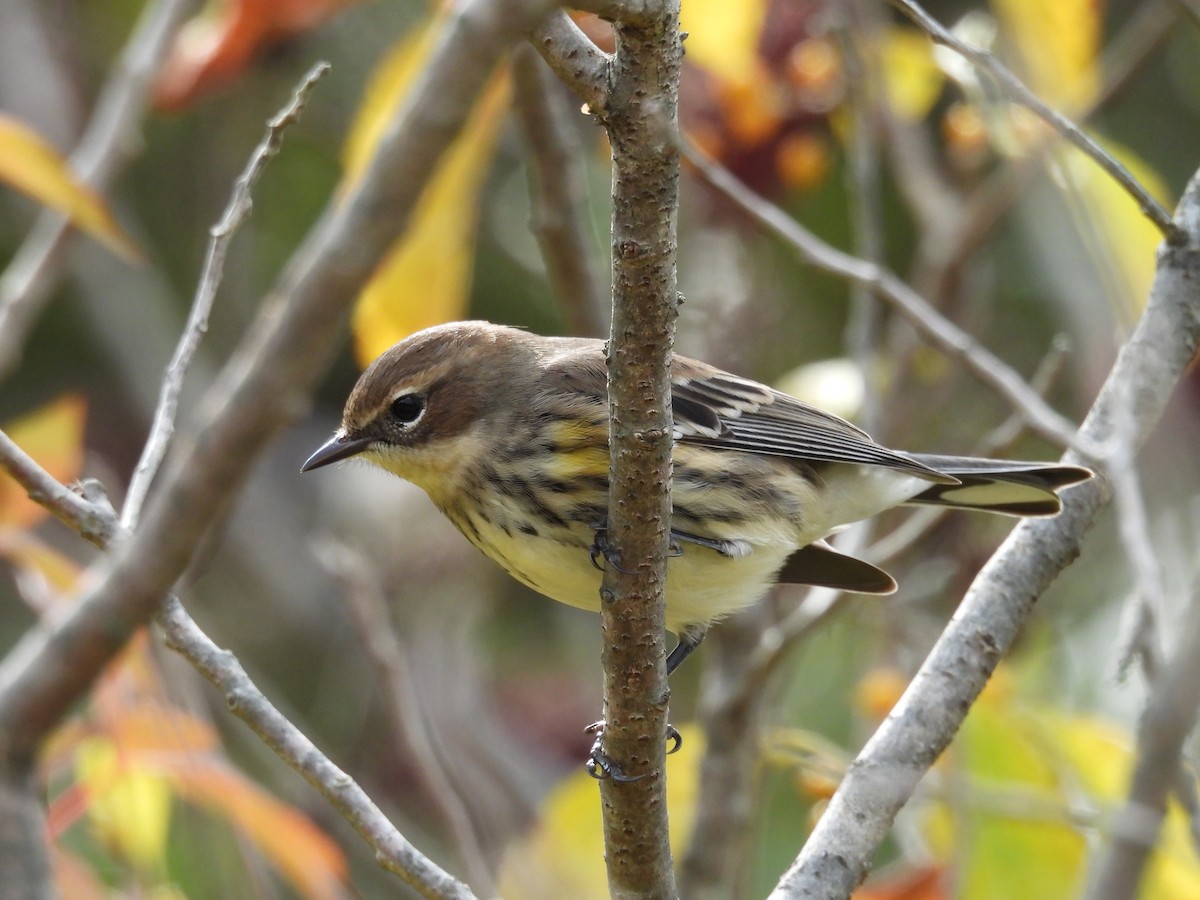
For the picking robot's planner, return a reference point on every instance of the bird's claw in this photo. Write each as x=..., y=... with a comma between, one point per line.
x=601, y=548
x=601, y=766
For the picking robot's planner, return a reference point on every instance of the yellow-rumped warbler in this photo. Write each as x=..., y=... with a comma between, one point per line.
x=507, y=432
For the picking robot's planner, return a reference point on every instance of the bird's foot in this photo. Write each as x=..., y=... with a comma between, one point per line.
x=602, y=548
x=601, y=766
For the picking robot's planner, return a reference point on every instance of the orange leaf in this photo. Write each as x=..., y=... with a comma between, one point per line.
x=923, y=883
x=34, y=167
x=311, y=862
x=214, y=48
x=53, y=437
x=425, y=277
x=75, y=879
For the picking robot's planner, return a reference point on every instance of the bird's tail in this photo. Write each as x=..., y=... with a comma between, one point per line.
x=1000, y=486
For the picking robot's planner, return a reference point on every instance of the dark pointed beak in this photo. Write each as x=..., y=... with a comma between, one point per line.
x=336, y=448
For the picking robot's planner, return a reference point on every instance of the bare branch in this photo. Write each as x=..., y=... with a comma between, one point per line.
x=581, y=65
x=236, y=212
x=106, y=144
x=643, y=129
x=952, y=233
x=1017, y=90
x=932, y=325
x=841, y=847
x=557, y=183
x=94, y=524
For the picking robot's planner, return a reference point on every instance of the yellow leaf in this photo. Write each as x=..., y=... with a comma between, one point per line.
x=425, y=277
x=53, y=437
x=911, y=75
x=564, y=855
x=1126, y=241
x=1057, y=43
x=312, y=863
x=129, y=803
x=26, y=553
x=1018, y=773
x=31, y=165
x=389, y=83
x=723, y=36
x=1100, y=756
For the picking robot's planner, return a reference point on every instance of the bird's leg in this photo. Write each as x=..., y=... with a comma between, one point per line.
x=689, y=640
x=725, y=548
x=600, y=765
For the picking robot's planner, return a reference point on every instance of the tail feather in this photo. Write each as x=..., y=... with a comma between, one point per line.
x=1001, y=486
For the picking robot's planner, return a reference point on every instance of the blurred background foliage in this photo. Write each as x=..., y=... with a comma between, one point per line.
x=861, y=132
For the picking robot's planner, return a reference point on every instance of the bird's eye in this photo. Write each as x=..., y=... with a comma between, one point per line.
x=407, y=408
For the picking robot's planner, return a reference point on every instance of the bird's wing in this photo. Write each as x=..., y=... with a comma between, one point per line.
x=715, y=409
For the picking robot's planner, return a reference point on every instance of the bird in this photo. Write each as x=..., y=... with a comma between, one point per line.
x=507, y=432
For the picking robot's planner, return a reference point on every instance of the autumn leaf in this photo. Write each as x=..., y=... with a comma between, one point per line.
x=1058, y=45
x=135, y=755
x=310, y=861
x=425, y=277
x=1021, y=772
x=53, y=437
x=220, y=43
x=129, y=804
x=31, y=165
x=723, y=37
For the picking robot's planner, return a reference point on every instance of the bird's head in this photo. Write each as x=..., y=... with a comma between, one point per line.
x=417, y=409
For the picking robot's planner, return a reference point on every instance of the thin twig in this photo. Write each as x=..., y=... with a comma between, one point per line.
x=1017, y=90
x=938, y=330
x=557, y=181
x=1142, y=639
x=409, y=721
x=91, y=521
x=108, y=141
x=236, y=212
x=953, y=232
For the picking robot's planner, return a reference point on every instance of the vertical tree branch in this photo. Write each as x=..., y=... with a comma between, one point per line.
x=641, y=118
